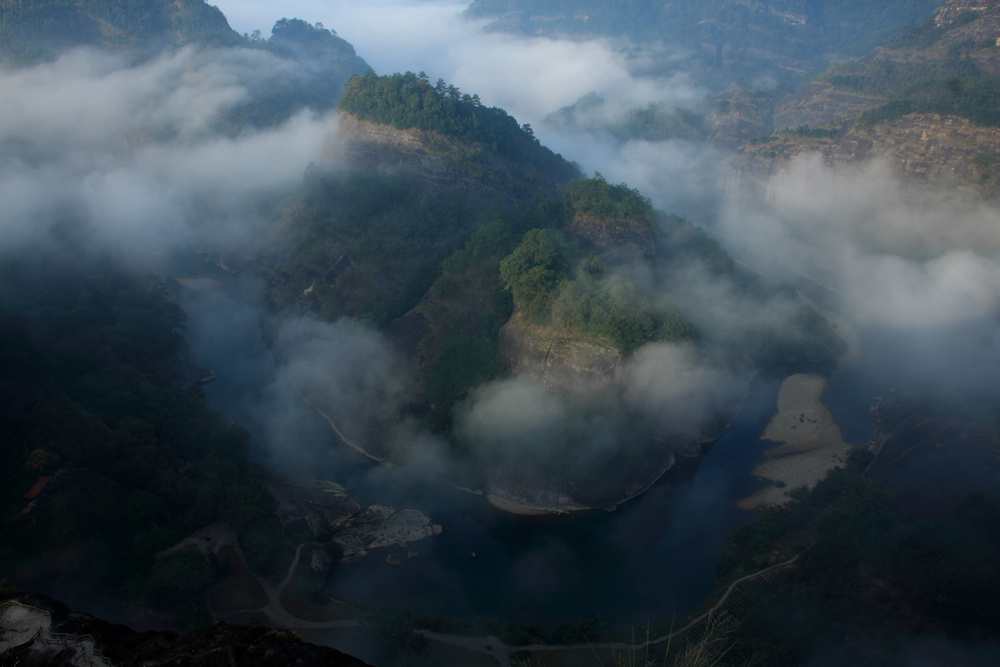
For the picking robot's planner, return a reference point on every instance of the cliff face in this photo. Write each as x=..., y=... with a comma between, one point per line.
x=737, y=116
x=610, y=232
x=556, y=358
x=427, y=158
x=925, y=149
x=819, y=103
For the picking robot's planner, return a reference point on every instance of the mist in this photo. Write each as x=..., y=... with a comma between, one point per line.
x=139, y=162
x=132, y=157
x=533, y=78
x=915, y=269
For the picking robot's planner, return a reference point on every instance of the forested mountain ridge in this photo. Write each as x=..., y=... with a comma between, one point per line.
x=485, y=259
x=31, y=31
x=137, y=30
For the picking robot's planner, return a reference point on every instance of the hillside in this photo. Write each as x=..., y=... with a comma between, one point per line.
x=488, y=263
x=925, y=103
x=41, y=30
x=725, y=40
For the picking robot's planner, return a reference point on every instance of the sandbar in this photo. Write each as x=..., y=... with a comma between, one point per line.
x=811, y=443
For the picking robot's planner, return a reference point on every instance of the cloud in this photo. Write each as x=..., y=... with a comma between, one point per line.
x=133, y=155
x=677, y=391
x=529, y=77
x=347, y=370
x=898, y=255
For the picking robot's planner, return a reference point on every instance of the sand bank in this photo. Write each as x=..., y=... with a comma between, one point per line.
x=811, y=442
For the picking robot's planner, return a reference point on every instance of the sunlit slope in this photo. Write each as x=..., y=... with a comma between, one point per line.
x=925, y=102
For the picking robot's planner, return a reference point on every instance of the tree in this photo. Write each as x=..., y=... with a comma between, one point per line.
x=533, y=271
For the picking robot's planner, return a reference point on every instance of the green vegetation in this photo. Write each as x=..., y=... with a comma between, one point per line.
x=613, y=309
x=596, y=197
x=354, y=242
x=32, y=31
x=331, y=62
x=410, y=101
x=869, y=567
x=977, y=99
x=93, y=390
x=884, y=77
x=533, y=271
x=556, y=280
x=947, y=81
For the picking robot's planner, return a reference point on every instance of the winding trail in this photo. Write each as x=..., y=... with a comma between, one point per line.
x=739, y=599
x=274, y=610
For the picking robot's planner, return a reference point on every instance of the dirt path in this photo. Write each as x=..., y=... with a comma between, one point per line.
x=274, y=610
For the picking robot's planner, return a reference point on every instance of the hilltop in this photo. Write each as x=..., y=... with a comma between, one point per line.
x=486, y=259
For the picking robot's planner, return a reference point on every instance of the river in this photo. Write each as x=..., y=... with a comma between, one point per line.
x=653, y=557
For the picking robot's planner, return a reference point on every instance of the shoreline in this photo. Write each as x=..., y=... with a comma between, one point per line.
x=811, y=443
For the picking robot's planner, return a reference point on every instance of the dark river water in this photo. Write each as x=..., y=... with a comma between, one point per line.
x=653, y=557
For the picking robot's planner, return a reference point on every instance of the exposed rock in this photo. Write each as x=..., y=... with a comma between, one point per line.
x=819, y=103
x=381, y=526
x=737, y=116
x=319, y=503
x=325, y=506
x=926, y=149
x=602, y=481
x=319, y=567
x=811, y=442
x=427, y=157
x=517, y=492
x=951, y=10
x=605, y=232
x=555, y=357
x=39, y=631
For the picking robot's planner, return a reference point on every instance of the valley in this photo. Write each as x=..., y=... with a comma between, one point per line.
x=701, y=317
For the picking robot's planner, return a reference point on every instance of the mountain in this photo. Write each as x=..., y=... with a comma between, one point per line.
x=487, y=261
x=723, y=40
x=448, y=295
x=32, y=31
x=925, y=103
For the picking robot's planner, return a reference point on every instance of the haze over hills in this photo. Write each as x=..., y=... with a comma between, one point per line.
x=454, y=297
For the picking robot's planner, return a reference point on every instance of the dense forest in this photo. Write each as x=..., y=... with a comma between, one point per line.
x=112, y=454
x=410, y=100
x=32, y=31
x=873, y=576
x=100, y=398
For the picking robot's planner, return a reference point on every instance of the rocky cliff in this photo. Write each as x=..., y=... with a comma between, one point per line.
x=36, y=631
x=427, y=158
x=555, y=357
x=926, y=149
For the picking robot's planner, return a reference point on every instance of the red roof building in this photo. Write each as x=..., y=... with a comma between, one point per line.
x=37, y=487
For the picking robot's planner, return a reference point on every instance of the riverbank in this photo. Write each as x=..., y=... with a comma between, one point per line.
x=811, y=443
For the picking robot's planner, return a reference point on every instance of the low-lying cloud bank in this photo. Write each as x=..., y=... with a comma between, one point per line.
x=915, y=269
x=135, y=156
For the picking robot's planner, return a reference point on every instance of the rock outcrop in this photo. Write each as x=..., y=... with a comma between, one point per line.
x=925, y=149
x=36, y=631
x=819, y=103
x=326, y=508
x=431, y=159
x=555, y=357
